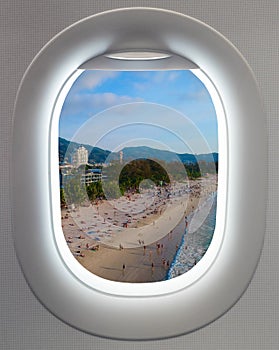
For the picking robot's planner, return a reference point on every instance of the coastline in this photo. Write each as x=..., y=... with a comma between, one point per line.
x=189, y=254
x=134, y=262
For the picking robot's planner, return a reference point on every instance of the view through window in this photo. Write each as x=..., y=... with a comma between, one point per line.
x=138, y=166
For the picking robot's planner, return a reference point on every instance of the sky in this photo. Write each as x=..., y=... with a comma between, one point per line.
x=162, y=109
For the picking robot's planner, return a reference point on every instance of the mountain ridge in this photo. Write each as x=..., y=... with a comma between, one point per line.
x=99, y=155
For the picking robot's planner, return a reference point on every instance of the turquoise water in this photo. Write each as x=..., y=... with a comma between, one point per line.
x=194, y=245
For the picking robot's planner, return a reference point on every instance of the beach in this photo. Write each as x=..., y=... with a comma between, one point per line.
x=135, y=238
x=196, y=240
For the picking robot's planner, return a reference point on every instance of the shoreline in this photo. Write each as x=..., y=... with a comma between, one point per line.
x=184, y=252
x=136, y=262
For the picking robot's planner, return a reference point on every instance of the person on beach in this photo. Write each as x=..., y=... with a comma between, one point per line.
x=152, y=267
x=123, y=269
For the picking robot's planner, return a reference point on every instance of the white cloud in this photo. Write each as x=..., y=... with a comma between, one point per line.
x=92, y=79
x=143, y=120
x=110, y=99
x=89, y=104
x=142, y=86
x=173, y=75
x=157, y=78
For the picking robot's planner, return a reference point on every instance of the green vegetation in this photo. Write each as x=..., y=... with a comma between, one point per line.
x=95, y=191
x=74, y=191
x=62, y=198
x=111, y=189
x=130, y=177
x=138, y=170
x=193, y=171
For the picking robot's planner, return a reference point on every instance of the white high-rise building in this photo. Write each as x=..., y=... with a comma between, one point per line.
x=121, y=157
x=80, y=157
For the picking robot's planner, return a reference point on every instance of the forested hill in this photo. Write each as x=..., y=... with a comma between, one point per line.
x=98, y=155
x=67, y=148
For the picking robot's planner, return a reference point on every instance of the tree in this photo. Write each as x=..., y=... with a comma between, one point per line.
x=111, y=190
x=95, y=190
x=138, y=170
x=75, y=192
x=62, y=198
x=193, y=171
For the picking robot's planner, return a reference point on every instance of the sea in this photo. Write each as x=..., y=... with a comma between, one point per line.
x=197, y=238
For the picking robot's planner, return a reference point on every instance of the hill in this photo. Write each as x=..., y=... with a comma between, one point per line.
x=67, y=148
x=99, y=155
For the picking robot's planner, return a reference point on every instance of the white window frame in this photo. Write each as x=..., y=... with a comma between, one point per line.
x=162, y=309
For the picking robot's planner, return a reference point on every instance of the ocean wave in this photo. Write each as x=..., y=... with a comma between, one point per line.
x=196, y=239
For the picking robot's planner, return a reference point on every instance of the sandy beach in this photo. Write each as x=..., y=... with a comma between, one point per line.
x=135, y=238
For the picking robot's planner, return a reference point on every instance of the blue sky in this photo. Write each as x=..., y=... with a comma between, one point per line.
x=176, y=101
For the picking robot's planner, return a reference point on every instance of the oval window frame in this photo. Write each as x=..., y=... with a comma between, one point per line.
x=50, y=279
x=186, y=279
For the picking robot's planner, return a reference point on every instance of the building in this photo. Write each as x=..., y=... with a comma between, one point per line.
x=121, y=157
x=80, y=156
x=93, y=175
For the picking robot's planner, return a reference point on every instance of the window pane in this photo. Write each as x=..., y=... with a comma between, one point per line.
x=138, y=156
